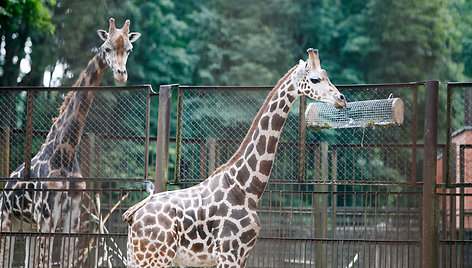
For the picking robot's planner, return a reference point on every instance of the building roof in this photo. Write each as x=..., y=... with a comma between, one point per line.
x=460, y=130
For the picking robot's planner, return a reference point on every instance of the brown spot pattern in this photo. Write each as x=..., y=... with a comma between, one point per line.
x=277, y=122
x=261, y=145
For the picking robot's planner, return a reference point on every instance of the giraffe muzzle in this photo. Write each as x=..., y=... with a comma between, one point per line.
x=340, y=102
x=120, y=76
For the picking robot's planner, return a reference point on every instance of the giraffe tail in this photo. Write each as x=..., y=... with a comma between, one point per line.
x=128, y=215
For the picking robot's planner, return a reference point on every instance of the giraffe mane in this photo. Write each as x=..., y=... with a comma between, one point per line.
x=64, y=105
x=249, y=134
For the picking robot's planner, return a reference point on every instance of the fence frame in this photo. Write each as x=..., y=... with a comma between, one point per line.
x=28, y=131
x=430, y=240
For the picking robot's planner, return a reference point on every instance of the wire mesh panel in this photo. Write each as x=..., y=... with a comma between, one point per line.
x=213, y=124
x=367, y=154
x=455, y=176
x=112, y=159
x=306, y=226
x=342, y=198
x=114, y=134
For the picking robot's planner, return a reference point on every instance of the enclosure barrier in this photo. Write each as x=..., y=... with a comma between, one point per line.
x=347, y=197
x=113, y=159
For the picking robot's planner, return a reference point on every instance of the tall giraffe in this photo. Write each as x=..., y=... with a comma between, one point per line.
x=215, y=222
x=28, y=205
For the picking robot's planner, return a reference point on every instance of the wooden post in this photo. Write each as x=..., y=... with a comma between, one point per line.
x=28, y=133
x=4, y=153
x=211, y=155
x=324, y=201
x=98, y=148
x=87, y=155
x=460, y=247
x=321, y=205
x=316, y=205
x=301, y=139
x=203, y=164
x=163, y=137
x=430, y=215
x=334, y=200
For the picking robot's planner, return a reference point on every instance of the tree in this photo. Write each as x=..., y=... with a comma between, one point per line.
x=461, y=13
x=18, y=19
x=405, y=41
x=243, y=44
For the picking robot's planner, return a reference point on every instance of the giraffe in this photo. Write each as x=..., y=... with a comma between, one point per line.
x=29, y=205
x=215, y=222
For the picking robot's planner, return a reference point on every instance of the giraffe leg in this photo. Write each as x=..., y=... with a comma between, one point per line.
x=7, y=242
x=32, y=250
x=145, y=253
x=47, y=214
x=229, y=260
x=71, y=225
x=43, y=248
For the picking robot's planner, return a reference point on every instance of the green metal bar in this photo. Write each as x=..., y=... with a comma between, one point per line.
x=178, y=138
x=461, y=206
x=430, y=215
x=447, y=151
x=28, y=133
x=148, y=119
x=163, y=133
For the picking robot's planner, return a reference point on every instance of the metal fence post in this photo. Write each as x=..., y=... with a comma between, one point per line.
x=29, y=133
x=301, y=139
x=430, y=215
x=163, y=133
x=4, y=152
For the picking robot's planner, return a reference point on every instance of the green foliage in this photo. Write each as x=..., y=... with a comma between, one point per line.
x=18, y=21
x=14, y=14
x=409, y=40
x=461, y=12
x=241, y=44
x=159, y=56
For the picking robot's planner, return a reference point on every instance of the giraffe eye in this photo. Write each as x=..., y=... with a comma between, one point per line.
x=315, y=80
x=107, y=49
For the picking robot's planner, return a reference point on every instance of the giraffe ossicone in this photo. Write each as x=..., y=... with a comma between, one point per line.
x=215, y=222
x=28, y=205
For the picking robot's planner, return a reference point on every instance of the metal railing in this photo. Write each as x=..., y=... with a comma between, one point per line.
x=113, y=157
x=336, y=198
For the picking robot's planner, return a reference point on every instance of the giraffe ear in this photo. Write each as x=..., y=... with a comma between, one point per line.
x=301, y=68
x=103, y=34
x=133, y=36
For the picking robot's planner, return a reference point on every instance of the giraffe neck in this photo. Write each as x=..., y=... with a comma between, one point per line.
x=250, y=167
x=63, y=138
x=92, y=75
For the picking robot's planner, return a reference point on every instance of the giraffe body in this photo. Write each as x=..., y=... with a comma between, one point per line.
x=215, y=222
x=41, y=206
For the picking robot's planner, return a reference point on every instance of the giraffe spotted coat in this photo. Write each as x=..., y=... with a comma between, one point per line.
x=43, y=205
x=215, y=222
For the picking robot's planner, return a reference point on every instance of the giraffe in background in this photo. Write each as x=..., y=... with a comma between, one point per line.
x=215, y=222
x=27, y=205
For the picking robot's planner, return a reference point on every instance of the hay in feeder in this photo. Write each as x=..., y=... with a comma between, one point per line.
x=384, y=112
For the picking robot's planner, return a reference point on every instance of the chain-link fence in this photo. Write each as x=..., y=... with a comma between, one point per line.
x=112, y=158
x=336, y=197
x=455, y=179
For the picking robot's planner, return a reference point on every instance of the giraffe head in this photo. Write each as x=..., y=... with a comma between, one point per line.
x=117, y=47
x=311, y=80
